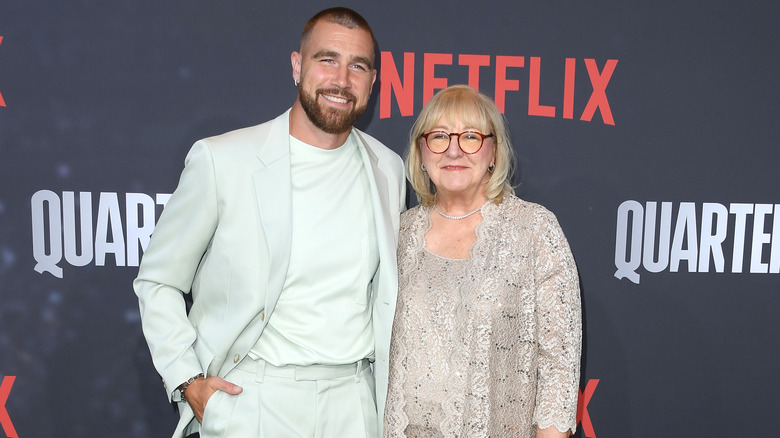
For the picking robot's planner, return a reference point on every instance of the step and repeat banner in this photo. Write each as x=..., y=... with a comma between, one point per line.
x=649, y=128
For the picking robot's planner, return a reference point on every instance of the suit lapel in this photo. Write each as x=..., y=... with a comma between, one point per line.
x=380, y=197
x=274, y=202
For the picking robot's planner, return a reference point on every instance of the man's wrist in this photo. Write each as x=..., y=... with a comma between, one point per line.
x=179, y=392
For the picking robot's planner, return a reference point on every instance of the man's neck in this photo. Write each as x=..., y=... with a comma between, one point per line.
x=304, y=130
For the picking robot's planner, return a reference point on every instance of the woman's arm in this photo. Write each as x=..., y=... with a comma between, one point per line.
x=559, y=330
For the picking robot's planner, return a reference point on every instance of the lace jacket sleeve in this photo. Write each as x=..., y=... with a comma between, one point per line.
x=559, y=320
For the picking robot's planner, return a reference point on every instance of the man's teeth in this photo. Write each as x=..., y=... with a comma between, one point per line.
x=336, y=99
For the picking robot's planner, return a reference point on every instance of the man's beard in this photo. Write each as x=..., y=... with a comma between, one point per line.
x=330, y=120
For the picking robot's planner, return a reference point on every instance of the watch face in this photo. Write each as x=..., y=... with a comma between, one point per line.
x=178, y=395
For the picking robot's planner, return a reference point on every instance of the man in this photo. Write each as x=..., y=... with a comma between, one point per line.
x=285, y=234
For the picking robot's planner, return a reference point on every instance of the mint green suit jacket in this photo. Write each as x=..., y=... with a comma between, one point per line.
x=224, y=236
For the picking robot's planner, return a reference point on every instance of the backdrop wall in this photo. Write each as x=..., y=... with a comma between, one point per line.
x=649, y=129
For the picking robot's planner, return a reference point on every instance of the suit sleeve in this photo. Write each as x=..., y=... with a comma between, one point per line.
x=169, y=266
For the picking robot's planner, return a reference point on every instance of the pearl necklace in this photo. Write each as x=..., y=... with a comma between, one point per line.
x=456, y=217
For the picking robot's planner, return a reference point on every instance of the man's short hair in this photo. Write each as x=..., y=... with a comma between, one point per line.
x=343, y=16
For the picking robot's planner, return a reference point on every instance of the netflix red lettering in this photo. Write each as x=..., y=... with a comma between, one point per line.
x=5, y=419
x=397, y=79
x=583, y=418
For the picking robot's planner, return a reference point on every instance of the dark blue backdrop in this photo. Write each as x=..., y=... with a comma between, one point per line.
x=103, y=99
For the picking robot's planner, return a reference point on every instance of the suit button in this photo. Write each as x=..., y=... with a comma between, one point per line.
x=236, y=358
x=262, y=315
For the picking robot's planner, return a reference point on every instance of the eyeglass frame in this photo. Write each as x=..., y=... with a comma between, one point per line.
x=457, y=134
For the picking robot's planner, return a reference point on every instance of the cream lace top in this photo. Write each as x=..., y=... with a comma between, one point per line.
x=487, y=346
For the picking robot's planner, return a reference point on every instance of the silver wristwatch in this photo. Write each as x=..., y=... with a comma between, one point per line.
x=178, y=393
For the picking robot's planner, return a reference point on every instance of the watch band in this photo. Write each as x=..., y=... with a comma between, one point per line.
x=183, y=387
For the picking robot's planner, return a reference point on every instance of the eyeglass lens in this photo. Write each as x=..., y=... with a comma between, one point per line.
x=469, y=142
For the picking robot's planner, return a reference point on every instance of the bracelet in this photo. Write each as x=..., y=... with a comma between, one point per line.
x=184, y=385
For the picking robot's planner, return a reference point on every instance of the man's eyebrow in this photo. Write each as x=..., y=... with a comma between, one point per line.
x=326, y=54
x=337, y=55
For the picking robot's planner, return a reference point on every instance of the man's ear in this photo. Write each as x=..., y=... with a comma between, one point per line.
x=295, y=61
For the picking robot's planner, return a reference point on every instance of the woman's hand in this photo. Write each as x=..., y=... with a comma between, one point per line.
x=551, y=432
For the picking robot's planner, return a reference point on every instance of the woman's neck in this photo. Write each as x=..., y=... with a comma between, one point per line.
x=461, y=204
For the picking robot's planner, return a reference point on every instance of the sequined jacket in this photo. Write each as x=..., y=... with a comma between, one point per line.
x=508, y=327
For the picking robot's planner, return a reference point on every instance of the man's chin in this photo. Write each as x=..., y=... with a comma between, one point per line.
x=331, y=118
x=339, y=121
x=335, y=128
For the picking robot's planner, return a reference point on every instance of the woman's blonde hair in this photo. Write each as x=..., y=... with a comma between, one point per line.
x=474, y=109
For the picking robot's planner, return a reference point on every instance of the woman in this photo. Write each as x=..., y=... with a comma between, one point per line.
x=487, y=332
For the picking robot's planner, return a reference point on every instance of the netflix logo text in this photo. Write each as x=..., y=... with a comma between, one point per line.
x=583, y=418
x=397, y=78
x=5, y=419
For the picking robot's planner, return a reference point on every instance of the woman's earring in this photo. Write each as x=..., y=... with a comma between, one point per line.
x=422, y=166
x=492, y=167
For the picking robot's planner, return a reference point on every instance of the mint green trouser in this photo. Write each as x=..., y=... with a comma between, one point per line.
x=315, y=401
